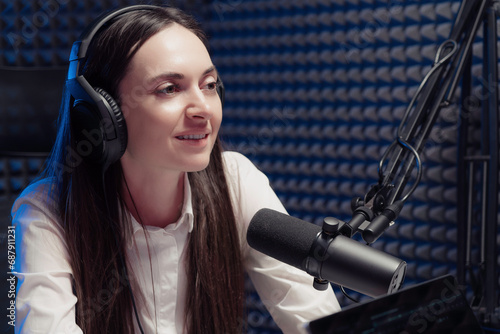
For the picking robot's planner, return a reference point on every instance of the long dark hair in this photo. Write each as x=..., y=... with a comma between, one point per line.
x=215, y=300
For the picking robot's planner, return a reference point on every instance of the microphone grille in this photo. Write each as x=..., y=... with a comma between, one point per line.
x=281, y=236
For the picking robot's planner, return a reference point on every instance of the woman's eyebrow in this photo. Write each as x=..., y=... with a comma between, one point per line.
x=176, y=75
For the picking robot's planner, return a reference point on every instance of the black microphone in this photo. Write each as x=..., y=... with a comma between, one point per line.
x=339, y=259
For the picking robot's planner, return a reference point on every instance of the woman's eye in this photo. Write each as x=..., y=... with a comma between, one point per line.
x=212, y=86
x=168, y=89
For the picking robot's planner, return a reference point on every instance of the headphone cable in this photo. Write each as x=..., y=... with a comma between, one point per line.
x=121, y=255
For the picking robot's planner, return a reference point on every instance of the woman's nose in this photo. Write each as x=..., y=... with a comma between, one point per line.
x=199, y=105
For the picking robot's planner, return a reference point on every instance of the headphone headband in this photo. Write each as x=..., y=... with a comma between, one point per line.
x=80, y=47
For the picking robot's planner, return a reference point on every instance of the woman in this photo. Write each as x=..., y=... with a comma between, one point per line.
x=156, y=241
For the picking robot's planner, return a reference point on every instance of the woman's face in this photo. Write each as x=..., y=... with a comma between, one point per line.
x=170, y=103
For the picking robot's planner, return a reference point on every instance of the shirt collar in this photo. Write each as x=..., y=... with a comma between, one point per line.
x=186, y=217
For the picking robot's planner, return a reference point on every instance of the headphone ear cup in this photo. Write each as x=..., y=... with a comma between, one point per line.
x=100, y=135
x=117, y=121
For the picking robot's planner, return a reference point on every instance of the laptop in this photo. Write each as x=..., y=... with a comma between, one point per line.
x=436, y=306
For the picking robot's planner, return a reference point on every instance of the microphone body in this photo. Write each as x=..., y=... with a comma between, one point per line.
x=338, y=259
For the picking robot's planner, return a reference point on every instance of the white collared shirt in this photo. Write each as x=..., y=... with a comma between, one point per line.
x=45, y=301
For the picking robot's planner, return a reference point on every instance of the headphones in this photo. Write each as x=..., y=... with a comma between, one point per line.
x=97, y=123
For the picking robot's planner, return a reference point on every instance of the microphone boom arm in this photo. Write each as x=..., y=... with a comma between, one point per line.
x=383, y=202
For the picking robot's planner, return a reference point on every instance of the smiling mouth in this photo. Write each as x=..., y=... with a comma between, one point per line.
x=192, y=137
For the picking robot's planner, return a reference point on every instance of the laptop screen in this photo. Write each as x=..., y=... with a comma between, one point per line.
x=436, y=307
